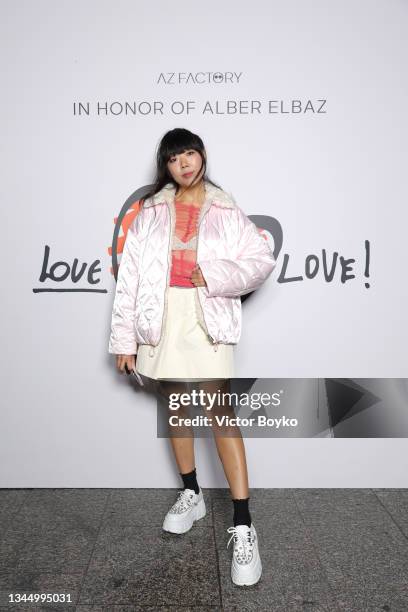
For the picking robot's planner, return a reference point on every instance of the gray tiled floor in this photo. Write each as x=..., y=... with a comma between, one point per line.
x=334, y=550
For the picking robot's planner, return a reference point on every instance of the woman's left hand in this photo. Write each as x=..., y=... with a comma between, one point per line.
x=197, y=277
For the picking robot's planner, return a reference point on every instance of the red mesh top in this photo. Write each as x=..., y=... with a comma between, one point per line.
x=184, y=247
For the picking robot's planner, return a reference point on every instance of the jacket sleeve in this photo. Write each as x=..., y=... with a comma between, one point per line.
x=122, y=339
x=247, y=271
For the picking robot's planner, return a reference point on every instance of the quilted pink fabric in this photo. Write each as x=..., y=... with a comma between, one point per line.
x=234, y=258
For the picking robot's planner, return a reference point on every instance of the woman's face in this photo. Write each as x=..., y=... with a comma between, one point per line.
x=185, y=167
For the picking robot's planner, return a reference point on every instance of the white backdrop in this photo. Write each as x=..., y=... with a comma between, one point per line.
x=326, y=156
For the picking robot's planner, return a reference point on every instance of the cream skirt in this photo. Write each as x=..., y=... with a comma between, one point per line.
x=184, y=350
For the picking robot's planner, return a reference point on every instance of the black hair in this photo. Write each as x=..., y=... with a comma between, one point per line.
x=172, y=143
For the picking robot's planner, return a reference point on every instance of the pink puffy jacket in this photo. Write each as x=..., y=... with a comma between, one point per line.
x=233, y=256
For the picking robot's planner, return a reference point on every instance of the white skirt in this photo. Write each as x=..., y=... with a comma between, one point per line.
x=184, y=351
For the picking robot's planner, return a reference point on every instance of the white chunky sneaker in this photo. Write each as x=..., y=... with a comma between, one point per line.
x=188, y=508
x=246, y=566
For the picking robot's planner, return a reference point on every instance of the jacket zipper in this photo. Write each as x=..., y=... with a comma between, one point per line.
x=215, y=343
x=164, y=316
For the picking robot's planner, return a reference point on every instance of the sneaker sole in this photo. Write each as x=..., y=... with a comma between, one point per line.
x=249, y=580
x=175, y=526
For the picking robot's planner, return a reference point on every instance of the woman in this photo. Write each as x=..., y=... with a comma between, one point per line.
x=189, y=255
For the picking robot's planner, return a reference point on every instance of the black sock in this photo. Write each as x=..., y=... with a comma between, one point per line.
x=241, y=512
x=190, y=481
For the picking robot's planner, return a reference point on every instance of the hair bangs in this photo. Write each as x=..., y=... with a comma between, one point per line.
x=179, y=140
x=174, y=142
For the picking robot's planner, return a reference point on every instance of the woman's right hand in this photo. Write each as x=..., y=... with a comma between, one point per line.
x=128, y=360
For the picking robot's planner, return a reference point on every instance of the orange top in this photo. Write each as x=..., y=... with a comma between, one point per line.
x=184, y=247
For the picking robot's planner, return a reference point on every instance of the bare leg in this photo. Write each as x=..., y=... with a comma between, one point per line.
x=231, y=451
x=183, y=449
x=229, y=442
x=181, y=437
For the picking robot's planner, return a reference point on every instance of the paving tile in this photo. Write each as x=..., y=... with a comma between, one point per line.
x=395, y=502
x=323, y=550
x=64, y=507
x=10, y=502
x=50, y=540
x=134, y=565
x=147, y=609
x=54, y=550
x=136, y=506
x=54, y=531
x=35, y=582
x=352, y=505
x=386, y=489
x=358, y=543
x=380, y=599
x=292, y=578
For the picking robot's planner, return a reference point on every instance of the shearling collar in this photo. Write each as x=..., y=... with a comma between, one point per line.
x=213, y=195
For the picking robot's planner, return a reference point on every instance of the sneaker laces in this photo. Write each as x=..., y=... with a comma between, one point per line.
x=184, y=501
x=243, y=544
